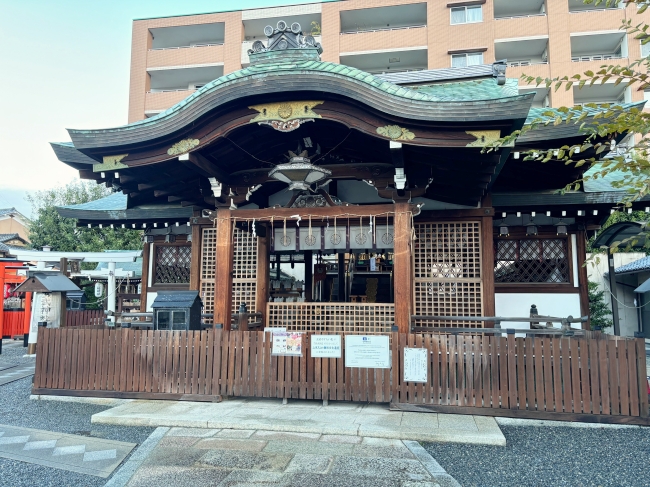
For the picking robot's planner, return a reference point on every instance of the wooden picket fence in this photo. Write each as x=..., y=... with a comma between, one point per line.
x=597, y=379
x=85, y=318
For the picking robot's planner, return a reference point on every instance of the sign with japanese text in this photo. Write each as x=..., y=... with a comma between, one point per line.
x=326, y=346
x=415, y=364
x=367, y=351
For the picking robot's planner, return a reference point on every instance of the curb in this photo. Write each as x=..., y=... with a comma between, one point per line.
x=433, y=467
x=126, y=471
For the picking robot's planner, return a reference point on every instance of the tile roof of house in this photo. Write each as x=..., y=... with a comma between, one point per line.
x=643, y=264
x=8, y=211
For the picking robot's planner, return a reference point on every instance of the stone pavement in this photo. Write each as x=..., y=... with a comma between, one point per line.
x=247, y=457
x=11, y=374
x=80, y=454
x=338, y=418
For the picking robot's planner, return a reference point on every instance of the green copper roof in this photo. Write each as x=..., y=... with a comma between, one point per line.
x=113, y=202
x=473, y=90
x=449, y=92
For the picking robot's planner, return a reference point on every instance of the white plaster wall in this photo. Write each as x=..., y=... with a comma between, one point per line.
x=596, y=268
x=518, y=305
x=150, y=300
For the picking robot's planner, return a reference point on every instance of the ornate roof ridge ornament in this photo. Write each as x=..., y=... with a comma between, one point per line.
x=285, y=37
x=499, y=71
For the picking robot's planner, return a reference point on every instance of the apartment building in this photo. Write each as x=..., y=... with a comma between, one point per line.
x=173, y=56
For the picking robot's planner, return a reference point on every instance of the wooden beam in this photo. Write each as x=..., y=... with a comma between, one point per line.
x=338, y=211
x=402, y=261
x=223, y=270
x=146, y=255
x=203, y=166
x=263, y=275
x=195, y=262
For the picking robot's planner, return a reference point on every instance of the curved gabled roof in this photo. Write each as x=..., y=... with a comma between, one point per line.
x=296, y=73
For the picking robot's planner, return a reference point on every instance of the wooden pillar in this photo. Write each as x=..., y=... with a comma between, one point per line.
x=309, y=277
x=2, y=295
x=341, y=278
x=583, y=280
x=487, y=268
x=63, y=311
x=144, y=283
x=402, y=263
x=28, y=313
x=195, y=263
x=223, y=270
x=263, y=275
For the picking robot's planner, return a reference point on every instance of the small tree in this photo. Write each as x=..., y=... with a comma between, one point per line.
x=598, y=310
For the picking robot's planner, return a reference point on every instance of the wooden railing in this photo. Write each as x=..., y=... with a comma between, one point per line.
x=332, y=317
x=85, y=318
x=13, y=323
x=598, y=379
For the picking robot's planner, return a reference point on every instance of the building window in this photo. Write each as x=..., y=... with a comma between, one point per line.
x=645, y=50
x=534, y=260
x=466, y=59
x=466, y=15
x=173, y=264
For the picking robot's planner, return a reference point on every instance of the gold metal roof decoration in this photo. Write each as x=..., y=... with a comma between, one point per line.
x=111, y=163
x=483, y=137
x=182, y=147
x=395, y=132
x=285, y=116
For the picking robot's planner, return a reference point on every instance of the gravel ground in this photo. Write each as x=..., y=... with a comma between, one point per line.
x=552, y=456
x=17, y=409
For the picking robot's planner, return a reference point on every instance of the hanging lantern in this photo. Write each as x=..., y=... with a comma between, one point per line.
x=561, y=228
x=99, y=289
x=531, y=230
x=299, y=173
x=504, y=231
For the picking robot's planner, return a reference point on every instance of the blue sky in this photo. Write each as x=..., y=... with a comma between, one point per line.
x=65, y=64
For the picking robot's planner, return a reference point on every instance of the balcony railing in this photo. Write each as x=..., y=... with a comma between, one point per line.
x=187, y=47
x=522, y=16
x=593, y=10
x=595, y=57
x=170, y=90
x=360, y=31
x=515, y=64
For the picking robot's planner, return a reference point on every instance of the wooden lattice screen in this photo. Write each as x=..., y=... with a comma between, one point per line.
x=364, y=318
x=244, y=270
x=208, y=265
x=447, y=270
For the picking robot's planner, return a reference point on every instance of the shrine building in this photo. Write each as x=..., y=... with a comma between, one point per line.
x=321, y=198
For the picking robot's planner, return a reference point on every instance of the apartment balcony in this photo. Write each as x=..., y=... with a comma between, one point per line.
x=596, y=20
x=579, y=6
x=606, y=93
x=516, y=27
x=508, y=9
x=518, y=68
x=383, y=18
x=158, y=101
x=246, y=45
x=602, y=47
x=182, y=78
x=383, y=40
x=541, y=95
x=187, y=36
x=522, y=52
x=181, y=56
x=393, y=61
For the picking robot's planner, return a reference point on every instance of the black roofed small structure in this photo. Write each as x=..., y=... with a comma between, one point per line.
x=47, y=282
x=177, y=310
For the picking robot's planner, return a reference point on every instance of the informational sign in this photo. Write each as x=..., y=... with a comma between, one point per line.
x=415, y=364
x=276, y=329
x=367, y=351
x=373, y=264
x=287, y=344
x=326, y=346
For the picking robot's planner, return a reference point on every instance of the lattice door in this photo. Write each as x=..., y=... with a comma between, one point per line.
x=244, y=270
x=208, y=266
x=447, y=268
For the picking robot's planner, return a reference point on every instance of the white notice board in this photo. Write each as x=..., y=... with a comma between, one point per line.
x=326, y=346
x=415, y=364
x=367, y=351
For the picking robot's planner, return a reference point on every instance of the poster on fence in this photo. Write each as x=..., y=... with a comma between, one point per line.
x=326, y=346
x=367, y=351
x=415, y=364
x=287, y=344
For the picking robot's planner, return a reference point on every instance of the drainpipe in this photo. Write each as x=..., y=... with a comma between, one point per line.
x=110, y=292
x=612, y=290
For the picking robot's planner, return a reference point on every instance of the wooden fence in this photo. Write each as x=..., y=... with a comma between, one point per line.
x=598, y=379
x=86, y=317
